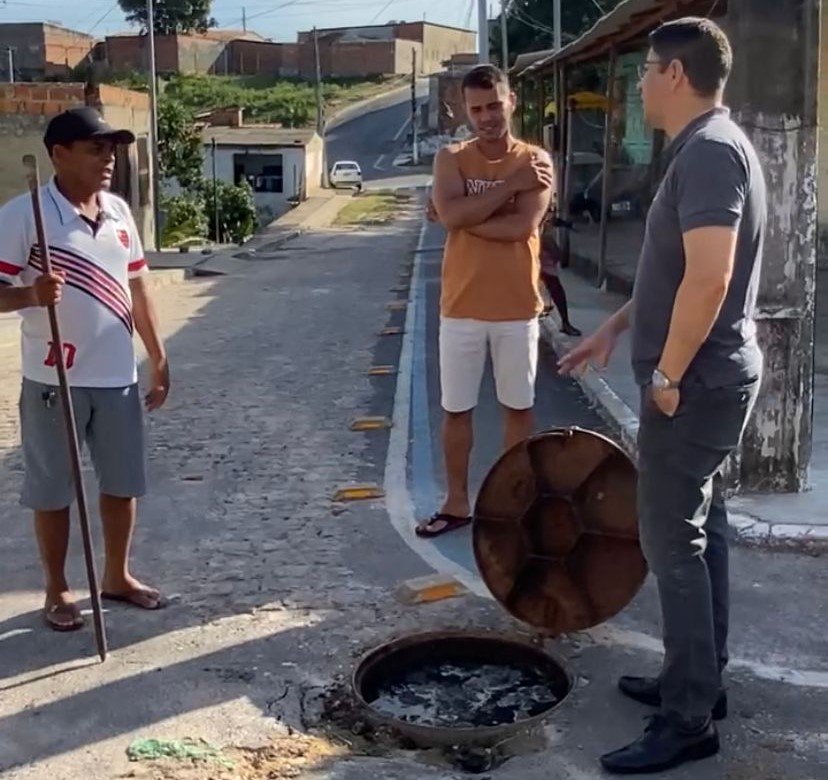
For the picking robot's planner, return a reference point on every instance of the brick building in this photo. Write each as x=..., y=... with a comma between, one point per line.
x=173, y=54
x=41, y=51
x=341, y=58
x=25, y=110
x=248, y=57
x=383, y=49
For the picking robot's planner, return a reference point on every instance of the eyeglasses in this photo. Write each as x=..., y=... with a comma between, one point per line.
x=642, y=69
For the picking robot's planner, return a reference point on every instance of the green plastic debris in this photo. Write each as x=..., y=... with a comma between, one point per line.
x=176, y=749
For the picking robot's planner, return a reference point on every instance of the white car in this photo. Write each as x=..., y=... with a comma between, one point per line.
x=346, y=173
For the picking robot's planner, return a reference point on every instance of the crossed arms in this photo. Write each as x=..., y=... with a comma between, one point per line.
x=510, y=211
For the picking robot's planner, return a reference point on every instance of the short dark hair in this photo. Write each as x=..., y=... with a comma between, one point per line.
x=484, y=77
x=702, y=48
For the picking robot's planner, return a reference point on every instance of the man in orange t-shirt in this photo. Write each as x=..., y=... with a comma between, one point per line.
x=491, y=193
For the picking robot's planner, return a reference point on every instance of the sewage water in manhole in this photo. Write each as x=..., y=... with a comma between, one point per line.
x=466, y=694
x=447, y=688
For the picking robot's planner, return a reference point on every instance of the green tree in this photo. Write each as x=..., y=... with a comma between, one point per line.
x=180, y=147
x=171, y=16
x=237, y=217
x=185, y=218
x=530, y=23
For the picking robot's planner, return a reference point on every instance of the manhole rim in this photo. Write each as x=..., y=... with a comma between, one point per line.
x=443, y=736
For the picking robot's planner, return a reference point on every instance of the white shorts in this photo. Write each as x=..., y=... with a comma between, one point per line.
x=464, y=345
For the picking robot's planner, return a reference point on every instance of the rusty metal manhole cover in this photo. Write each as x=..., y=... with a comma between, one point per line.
x=555, y=531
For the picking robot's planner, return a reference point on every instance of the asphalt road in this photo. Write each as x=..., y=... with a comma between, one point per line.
x=374, y=141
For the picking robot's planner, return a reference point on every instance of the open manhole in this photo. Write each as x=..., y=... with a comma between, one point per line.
x=452, y=688
x=555, y=539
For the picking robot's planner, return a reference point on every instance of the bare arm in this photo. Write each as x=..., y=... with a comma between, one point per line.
x=456, y=209
x=709, y=257
x=146, y=320
x=521, y=221
x=16, y=298
x=146, y=323
x=620, y=321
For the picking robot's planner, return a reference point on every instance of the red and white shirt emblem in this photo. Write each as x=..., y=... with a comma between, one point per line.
x=123, y=237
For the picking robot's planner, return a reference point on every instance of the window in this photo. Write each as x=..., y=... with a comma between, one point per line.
x=264, y=172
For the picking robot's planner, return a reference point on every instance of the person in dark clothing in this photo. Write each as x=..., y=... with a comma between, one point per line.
x=550, y=268
x=696, y=358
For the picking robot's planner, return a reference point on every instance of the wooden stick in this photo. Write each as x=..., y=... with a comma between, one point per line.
x=33, y=178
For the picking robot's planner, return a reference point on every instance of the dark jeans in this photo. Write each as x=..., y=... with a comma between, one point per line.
x=683, y=525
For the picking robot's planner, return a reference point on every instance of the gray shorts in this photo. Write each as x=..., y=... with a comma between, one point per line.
x=109, y=421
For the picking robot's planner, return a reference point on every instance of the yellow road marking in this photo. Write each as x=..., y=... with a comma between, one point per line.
x=358, y=493
x=370, y=423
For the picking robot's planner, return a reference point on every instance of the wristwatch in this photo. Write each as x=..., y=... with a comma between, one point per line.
x=662, y=382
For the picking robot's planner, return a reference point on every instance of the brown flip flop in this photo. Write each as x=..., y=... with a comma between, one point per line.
x=450, y=523
x=138, y=597
x=63, y=617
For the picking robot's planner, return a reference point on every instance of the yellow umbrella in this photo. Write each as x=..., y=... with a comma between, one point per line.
x=584, y=101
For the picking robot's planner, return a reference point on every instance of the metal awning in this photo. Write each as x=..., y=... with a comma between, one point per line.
x=627, y=25
x=523, y=61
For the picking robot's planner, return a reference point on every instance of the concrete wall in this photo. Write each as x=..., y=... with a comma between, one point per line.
x=340, y=59
x=450, y=107
x=124, y=108
x=25, y=110
x=780, y=114
x=314, y=166
x=41, y=50
x=439, y=43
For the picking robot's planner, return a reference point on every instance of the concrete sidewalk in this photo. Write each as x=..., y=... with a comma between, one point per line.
x=316, y=213
x=768, y=519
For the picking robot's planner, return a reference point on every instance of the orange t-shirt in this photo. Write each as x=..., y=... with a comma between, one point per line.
x=495, y=281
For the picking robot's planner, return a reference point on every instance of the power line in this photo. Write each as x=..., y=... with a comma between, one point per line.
x=382, y=11
x=102, y=19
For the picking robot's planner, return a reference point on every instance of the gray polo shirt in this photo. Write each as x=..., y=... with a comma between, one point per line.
x=714, y=179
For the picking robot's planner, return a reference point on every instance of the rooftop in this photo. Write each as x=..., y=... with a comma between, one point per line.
x=626, y=25
x=258, y=135
x=321, y=30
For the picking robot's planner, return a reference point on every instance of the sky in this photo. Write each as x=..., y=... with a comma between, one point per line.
x=276, y=19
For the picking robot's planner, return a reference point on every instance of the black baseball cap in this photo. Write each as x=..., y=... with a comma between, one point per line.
x=83, y=123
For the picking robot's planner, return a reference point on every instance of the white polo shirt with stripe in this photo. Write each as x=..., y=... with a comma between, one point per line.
x=95, y=313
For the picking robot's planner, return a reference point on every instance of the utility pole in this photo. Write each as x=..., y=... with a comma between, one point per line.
x=557, y=24
x=504, y=33
x=244, y=19
x=153, y=83
x=215, y=194
x=320, y=119
x=415, y=152
x=482, y=32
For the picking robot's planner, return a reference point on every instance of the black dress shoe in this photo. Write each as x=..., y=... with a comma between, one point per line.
x=647, y=691
x=665, y=744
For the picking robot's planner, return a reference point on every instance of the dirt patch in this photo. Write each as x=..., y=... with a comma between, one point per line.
x=376, y=208
x=286, y=757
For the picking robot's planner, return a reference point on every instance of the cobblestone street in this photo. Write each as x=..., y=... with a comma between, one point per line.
x=274, y=587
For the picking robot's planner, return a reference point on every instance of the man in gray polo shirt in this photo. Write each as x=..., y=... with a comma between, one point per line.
x=696, y=358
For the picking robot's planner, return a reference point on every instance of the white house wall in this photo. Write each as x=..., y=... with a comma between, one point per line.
x=270, y=205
